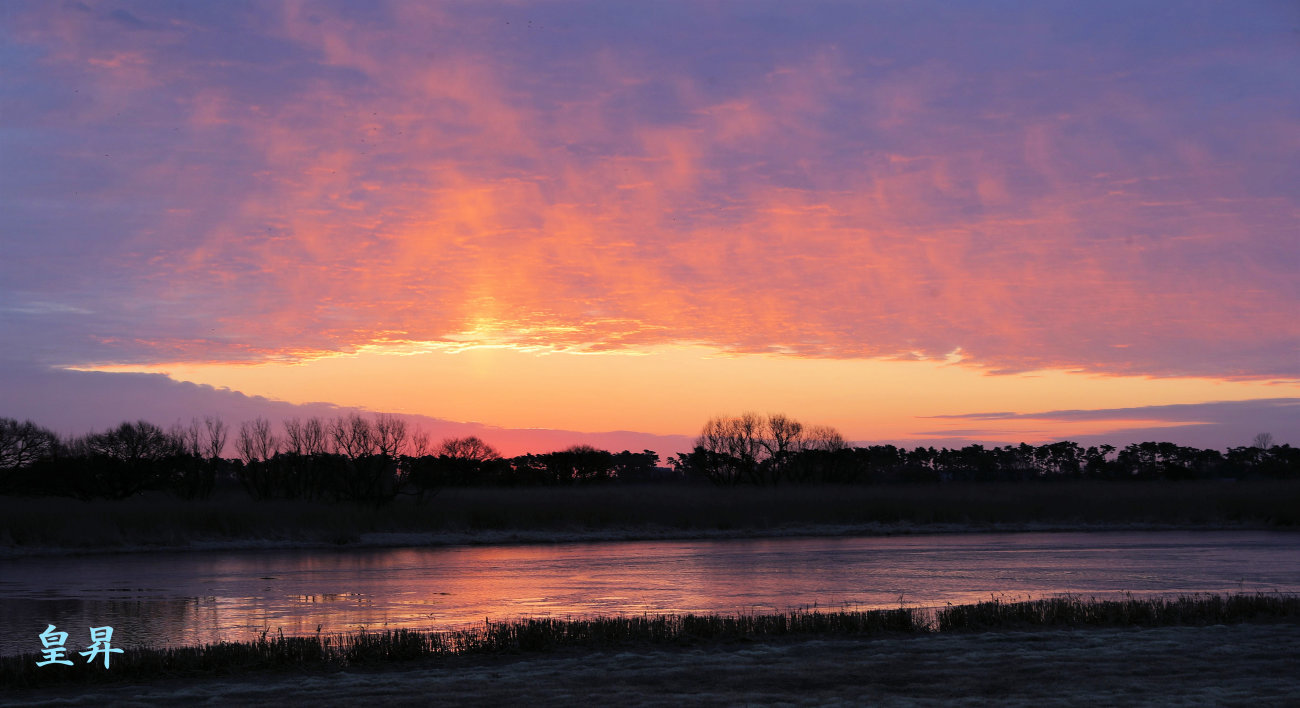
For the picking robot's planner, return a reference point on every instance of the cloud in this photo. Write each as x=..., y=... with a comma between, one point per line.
x=1030, y=195
x=1215, y=424
x=78, y=402
x=1217, y=411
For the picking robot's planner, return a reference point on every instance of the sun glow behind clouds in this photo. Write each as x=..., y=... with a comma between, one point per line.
x=854, y=182
x=852, y=212
x=674, y=389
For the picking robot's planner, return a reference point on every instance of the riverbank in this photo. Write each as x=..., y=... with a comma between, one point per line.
x=1244, y=665
x=1221, y=651
x=469, y=516
x=390, y=540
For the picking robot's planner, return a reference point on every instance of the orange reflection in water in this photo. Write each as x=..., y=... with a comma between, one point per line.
x=185, y=599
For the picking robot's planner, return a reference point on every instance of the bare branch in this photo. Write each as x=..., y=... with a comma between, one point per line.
x=468, y=448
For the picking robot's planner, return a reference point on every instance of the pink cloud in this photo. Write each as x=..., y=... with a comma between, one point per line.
x=414, y=180
x=77, y=402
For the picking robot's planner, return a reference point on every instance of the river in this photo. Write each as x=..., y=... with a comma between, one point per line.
x=173, y=599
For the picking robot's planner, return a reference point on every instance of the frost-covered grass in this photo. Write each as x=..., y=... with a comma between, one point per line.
x=648, y=511
x=1244, y=665
x=1196, y=610
x=338, y=652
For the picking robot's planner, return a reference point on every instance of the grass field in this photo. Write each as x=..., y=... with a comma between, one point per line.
x=349, y=652
x=1245, y=665
x=40, y=524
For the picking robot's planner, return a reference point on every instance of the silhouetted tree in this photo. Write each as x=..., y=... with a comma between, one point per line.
x=390, y=435
x=824, y=438
x=294, y=440
x=420, y=443
x=353, y=436
x=256, y=441
x=468, y=448
x=370, y=471
x=1097, y=461
x=216, y=439
x=195, y=476
x=754, y=449
x=638, y=467
x=22, y=445
x=578, y=465
x=315, y=437
x=124, y=461
x=455, y=462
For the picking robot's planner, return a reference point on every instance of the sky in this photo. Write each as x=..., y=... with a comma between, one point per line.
x=917, y=222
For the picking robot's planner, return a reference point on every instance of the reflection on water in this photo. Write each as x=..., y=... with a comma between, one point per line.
x=191, y=598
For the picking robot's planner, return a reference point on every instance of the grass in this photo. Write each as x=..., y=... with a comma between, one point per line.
x=1196, y=610
x=326, y=653
x=162, y=520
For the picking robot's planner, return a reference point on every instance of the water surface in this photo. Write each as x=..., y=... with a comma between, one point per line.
x=171, y=599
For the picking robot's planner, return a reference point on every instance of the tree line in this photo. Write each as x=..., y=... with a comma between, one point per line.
x=775, y=449
x=377, y=459
x=348, y=458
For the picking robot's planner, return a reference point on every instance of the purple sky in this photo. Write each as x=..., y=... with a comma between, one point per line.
x=1106, y=188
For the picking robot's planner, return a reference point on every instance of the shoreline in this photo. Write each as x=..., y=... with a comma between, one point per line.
x=386, y=540
x=1269, y=623
x=471, y=516
x=1234, y=665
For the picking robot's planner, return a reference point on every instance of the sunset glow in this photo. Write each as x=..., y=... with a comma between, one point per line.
x=910, y=221
x=660, y=387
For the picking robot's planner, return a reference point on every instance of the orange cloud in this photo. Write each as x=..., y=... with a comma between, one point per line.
x=415, y=181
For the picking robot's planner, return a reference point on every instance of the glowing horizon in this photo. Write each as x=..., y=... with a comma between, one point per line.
x=875, y=399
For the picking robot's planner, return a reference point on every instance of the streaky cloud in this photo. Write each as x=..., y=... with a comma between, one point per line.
x=77, y=402
x=1095, y=188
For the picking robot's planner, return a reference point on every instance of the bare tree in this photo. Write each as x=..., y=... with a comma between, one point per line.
x=353, y=436
x=752, y=448
x=206, y=438
x=420, y=443
x=390, y=435
x=1263, y=441
x=256, y=441
x=736, y=444
x=134, y=442
x=267, y=443
x=217, y=434
x=315, y=437
x=785, y=436
x=191, y=435
x=825, y=438
x=125, y=460
x=468, y=448
x=740, y=436
x=180, y=434
x=244, y=444
x=23, y=443
x=293, y=436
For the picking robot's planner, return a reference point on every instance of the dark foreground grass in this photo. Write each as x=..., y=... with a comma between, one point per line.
x=328, y=653
x=1195, y=610
x=649, y=511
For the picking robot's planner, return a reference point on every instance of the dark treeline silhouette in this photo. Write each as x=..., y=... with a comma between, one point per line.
x=373, y=461
x=753, y=449
x=114, y=464
x=975, y=463
x=350, y=458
